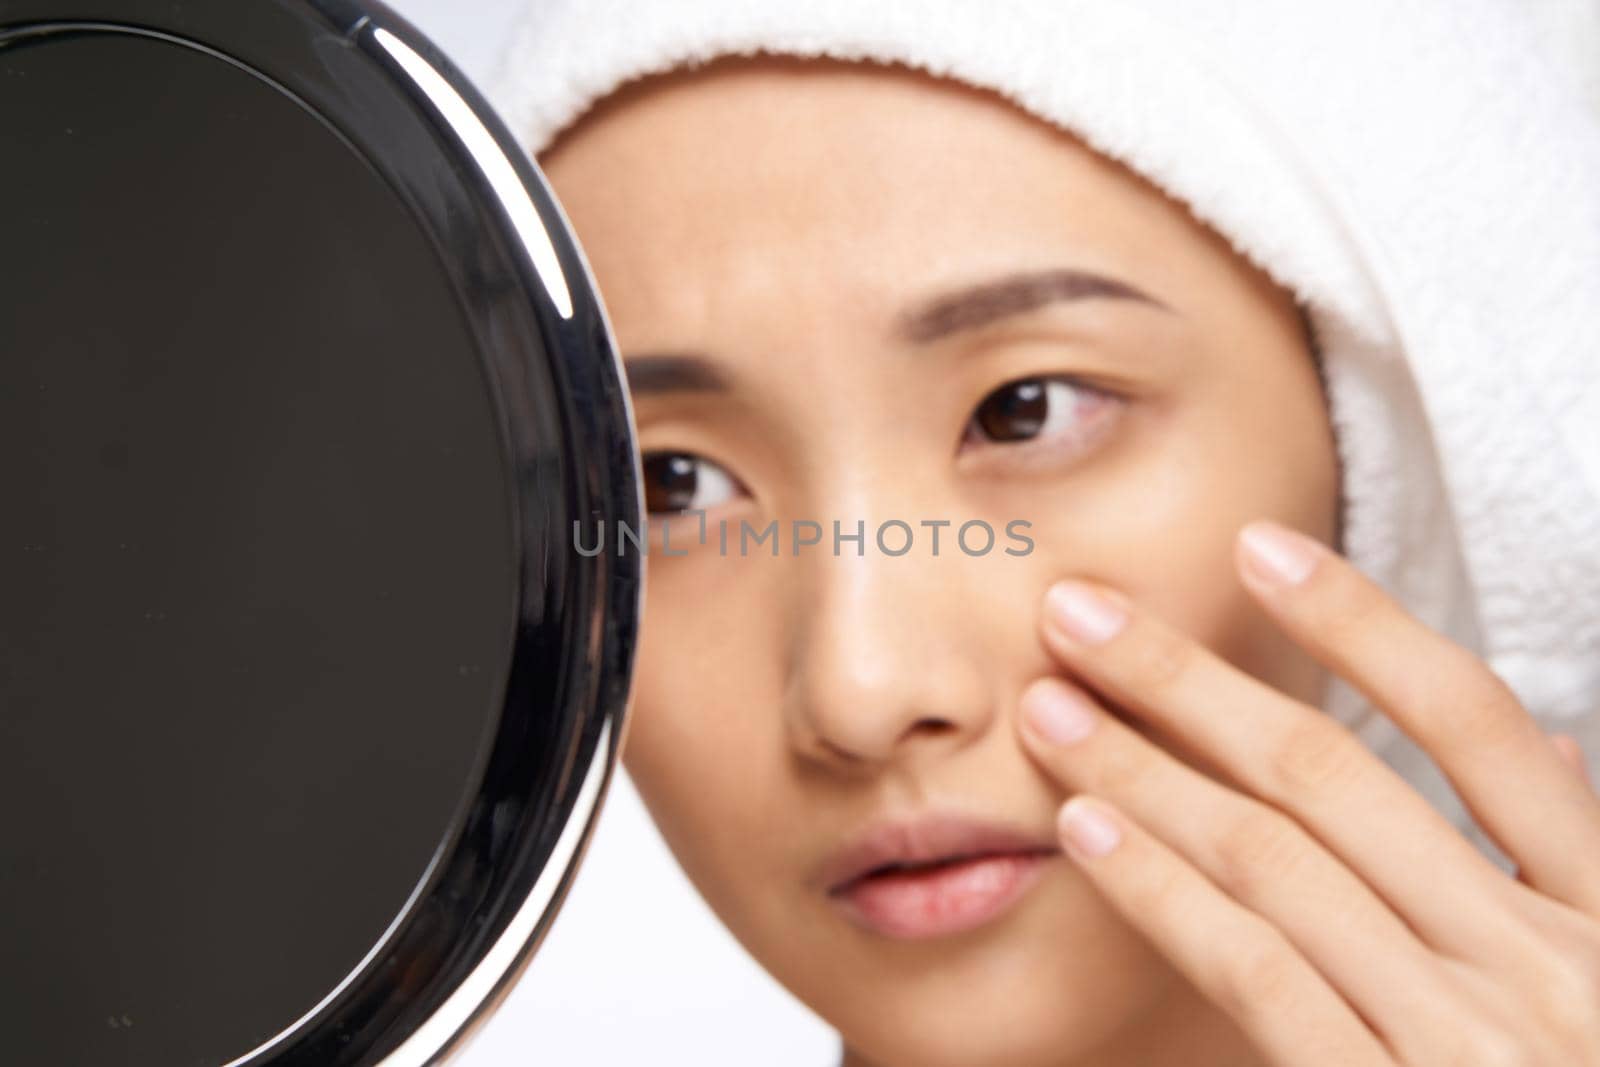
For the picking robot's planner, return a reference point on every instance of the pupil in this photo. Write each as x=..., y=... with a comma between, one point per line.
x=1014, y=412
x=669, y=482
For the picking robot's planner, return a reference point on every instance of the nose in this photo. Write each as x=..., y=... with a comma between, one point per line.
x=885, y=662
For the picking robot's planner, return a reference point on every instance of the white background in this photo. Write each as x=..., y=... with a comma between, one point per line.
x=636, y=970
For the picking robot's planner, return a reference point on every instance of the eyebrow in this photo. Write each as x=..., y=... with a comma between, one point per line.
x=988, y=302
x=965, y=309
x=672, y=372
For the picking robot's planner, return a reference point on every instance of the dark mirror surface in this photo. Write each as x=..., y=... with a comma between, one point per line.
x=257, y=560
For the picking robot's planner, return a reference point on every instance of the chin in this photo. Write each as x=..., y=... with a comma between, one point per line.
x=1048, y=989
x=1041, y=1032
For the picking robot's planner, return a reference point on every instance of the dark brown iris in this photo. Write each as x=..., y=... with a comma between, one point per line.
x=670, y=481
x=1014, y=412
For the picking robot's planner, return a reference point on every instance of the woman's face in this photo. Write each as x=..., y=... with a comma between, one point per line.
x=855, y=295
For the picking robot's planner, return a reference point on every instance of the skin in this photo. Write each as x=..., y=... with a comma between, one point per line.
x=783, y=226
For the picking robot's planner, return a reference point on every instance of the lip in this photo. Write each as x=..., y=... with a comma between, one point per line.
x=934, y=875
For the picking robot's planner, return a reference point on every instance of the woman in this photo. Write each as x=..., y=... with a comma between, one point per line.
x=1066, y=274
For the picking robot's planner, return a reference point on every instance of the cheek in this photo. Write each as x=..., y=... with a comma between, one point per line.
x=1158, y=518
x=703, y=745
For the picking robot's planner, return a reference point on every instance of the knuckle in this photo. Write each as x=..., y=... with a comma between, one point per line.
x=1120, y=768
x=1586, y=891
x=1164, y=891
x=1157, y=658
x=1346, y=609
x=1456, y=1049
x=1494, y=1047
x=1570, y=998
x=1258, y=851
x=1315, y=755
x=1262, y=972
x=1582, y=954
x=1475, y=708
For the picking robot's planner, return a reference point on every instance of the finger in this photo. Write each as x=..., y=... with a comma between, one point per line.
x=1567, y=748
x=1571, y=754
x=1259, y=857
x=1235, y=958
x=1444, y=697
x=1293, y=757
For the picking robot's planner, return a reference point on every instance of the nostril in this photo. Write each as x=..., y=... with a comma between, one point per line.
x=933, y=723
x=930, y=724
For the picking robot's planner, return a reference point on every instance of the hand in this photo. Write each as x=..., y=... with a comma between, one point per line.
x=1304, y=887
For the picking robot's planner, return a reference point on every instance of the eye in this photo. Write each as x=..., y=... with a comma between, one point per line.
x=676, y=482
x=1035, y=409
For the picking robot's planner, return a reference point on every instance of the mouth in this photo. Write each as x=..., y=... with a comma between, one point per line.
x=935, y=876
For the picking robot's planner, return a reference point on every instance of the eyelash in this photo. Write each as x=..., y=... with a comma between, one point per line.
x=663, y=466
x=1093, y=408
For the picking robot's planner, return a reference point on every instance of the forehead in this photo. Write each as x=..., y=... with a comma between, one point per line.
x=765, y=179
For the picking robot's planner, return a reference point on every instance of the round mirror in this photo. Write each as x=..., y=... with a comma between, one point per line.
x=306, y=699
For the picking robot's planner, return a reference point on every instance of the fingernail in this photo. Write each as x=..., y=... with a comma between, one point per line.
x=1087, y=833
x=1278, y=555
x=1057, y=713
x=1083, y=613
